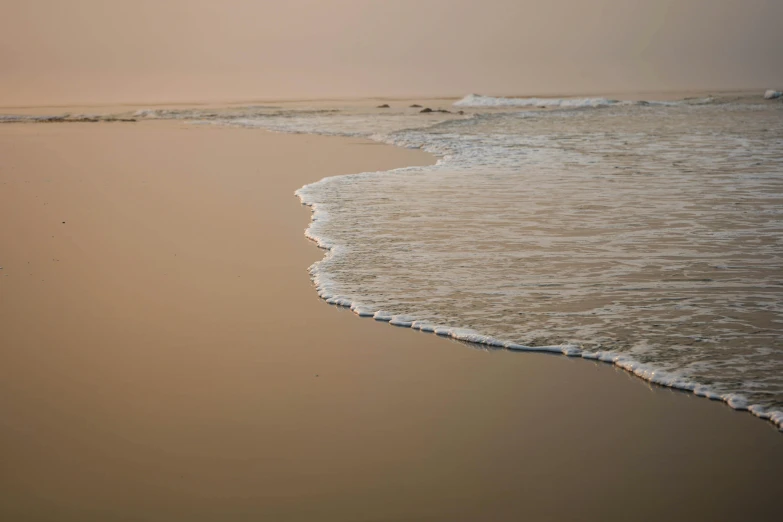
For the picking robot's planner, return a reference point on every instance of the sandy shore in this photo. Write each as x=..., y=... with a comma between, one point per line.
x=164, y=357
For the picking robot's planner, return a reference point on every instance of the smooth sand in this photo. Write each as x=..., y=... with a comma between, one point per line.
x=164, y=357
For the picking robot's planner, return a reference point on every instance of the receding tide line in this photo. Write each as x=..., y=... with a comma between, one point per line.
x=644, y=371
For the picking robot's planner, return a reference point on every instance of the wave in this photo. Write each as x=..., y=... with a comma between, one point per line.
x=325, y=290
x=464, y=144
x=479, y=101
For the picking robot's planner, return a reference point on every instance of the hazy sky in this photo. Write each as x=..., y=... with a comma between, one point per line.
x=76, y=51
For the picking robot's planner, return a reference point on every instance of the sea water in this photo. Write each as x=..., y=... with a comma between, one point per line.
x=650, y=236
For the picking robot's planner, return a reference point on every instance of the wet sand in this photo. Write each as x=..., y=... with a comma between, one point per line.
x=164, y=357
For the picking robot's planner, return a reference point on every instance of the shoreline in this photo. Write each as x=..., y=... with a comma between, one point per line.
x=622, y=361
x=360, y=422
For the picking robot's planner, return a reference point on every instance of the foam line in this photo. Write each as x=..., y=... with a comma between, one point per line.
x=623, y=361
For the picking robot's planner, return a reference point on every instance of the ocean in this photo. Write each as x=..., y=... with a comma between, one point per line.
x=647, y=234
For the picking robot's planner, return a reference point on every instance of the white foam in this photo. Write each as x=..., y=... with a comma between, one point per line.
x=402, y=320
x=424, y=326
x=339, y=301
x=563, y=349
x=383, y=316
x=362, y=311
x=477, y=100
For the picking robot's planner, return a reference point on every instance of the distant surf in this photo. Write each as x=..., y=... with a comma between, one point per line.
x=477, y=100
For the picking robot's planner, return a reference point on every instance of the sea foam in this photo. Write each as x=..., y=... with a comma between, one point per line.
x=477, y=100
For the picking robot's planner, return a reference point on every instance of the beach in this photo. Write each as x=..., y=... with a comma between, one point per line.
x=164, y=356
